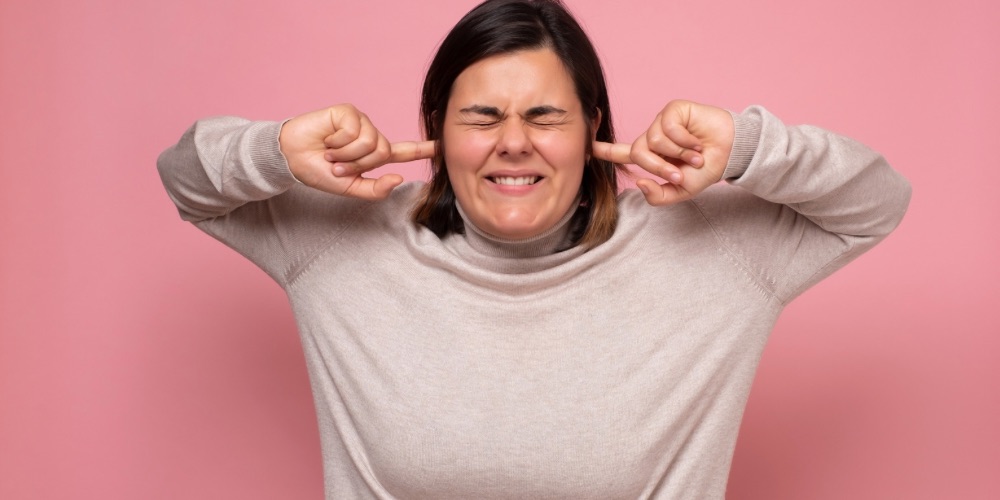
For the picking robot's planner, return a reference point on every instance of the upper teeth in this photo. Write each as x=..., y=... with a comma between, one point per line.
x=515, y=181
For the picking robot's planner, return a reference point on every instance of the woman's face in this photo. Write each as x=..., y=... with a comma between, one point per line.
x=515, y=141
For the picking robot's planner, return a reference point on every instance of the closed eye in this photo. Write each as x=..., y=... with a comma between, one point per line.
x=546, y=116
x=480, y=116
x=479, y=124
x=547, y=122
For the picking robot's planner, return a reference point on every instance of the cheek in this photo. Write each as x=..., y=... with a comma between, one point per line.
x=561, y=150
x=467, y=151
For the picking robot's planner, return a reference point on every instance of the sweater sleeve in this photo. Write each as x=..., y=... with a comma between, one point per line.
x=809, y=201
x=227, y=176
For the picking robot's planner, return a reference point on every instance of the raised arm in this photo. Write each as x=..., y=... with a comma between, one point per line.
x=810, y=202
x=239, y=181
x=222, y=163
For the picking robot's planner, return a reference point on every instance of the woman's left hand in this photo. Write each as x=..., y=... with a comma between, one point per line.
x=687, y=145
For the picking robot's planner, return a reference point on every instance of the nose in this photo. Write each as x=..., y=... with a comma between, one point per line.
x=513, y=141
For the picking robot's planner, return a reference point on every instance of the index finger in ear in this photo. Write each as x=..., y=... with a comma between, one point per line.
x=403, y=152
x=615, y=153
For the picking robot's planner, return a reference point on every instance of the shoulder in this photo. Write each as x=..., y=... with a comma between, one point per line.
x=389, y=215
x=709, y=214
x=396, y=207
x=641, y=221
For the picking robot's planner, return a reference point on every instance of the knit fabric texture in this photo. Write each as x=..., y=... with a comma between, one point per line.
x=473, y=367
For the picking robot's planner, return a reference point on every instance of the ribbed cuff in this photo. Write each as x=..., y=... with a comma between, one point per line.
x=265, y=152
x=747, y=137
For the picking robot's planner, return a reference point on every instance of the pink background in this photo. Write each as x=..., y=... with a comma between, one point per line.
x=141, y=359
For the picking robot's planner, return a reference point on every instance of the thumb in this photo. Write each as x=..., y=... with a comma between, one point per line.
x=385, y=184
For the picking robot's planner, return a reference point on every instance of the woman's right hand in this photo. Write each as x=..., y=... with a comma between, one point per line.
x=330, y=149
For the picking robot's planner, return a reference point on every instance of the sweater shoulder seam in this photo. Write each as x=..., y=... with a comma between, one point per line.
x=298, y=270
x=745, y=268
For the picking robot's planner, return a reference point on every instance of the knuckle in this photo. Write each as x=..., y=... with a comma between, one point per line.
x=636, y=149
x=672, y=127
x=349, y=132
x=366, y=143
x=381, y=154
x=347, y=107
x=658, y=142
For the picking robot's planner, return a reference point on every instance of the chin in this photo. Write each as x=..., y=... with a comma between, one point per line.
x=518, y=228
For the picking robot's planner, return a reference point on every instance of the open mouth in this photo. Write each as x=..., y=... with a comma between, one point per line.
x=515, y=181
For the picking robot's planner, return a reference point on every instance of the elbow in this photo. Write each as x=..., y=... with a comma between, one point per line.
x=168, y=177
x=895, y=193
x=173, y=166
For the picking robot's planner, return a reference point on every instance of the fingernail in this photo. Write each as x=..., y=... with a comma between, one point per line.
x=328, y=157
x=696, y=161
x=675, y=178
x=338, y=170
x=643, y=188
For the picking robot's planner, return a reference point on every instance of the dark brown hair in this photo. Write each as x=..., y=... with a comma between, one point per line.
x=501, y=27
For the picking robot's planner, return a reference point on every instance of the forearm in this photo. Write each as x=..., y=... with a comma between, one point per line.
x=838, y=183
x=228, y=176
x=809, y=202
x=220, y=164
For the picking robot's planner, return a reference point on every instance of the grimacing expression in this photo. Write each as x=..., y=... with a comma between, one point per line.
x=515, y=140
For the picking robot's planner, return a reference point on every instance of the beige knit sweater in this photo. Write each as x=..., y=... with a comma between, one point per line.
x=466, y=367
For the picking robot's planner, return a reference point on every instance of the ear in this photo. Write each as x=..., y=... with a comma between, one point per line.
x=438, y=158
x=434, y=117
x=596, y=123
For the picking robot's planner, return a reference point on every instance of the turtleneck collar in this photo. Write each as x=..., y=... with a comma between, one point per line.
x=555, y=239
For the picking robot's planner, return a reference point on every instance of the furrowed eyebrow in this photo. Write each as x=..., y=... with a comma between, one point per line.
x=482, y=110
x=539, y=111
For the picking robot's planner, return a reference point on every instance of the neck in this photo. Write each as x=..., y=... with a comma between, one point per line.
x=553, y=240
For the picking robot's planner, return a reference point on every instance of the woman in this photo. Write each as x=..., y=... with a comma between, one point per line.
x=515, y=328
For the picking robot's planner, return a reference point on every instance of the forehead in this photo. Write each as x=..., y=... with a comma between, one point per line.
x=519, y=79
